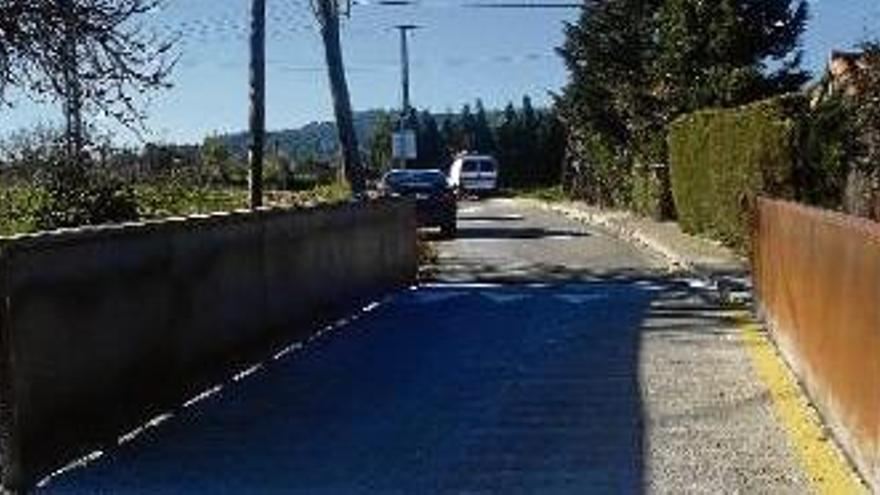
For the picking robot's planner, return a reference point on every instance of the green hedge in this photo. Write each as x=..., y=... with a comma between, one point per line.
x=721, y=160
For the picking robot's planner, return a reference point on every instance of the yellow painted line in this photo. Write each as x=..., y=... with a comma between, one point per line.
x=824, y=465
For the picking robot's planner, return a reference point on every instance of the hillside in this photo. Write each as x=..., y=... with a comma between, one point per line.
x=317, y=139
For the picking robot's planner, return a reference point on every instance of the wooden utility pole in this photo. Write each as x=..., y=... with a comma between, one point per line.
x=405, y=123
x=327, y=12
x=257, y=102
x=404, y=65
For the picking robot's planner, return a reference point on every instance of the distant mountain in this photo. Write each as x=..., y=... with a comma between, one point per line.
x=319, y=139
x=316, y=139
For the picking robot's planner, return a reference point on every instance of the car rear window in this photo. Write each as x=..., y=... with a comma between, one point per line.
x=415, y=179
x=487, y=166
x=470, y=166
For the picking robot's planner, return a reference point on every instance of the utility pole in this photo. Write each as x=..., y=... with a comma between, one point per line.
x=257, y=102
x=327, y=12
x=404, y=123
x=404, y=64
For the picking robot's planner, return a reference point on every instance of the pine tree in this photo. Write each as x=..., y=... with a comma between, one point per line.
x=432, y=152
x=719, y=52
x=509, y=153
x=609, y=55
x=484, y=140
x=527, y=135
x=467, y=125
x=550, y=147
x=450, y=135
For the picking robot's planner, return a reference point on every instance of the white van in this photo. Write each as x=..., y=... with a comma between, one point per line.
x=475, y=174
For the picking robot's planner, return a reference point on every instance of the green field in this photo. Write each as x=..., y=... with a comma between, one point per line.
x=20, y=203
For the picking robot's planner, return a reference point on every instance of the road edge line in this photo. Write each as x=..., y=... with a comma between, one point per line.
x=821, y=459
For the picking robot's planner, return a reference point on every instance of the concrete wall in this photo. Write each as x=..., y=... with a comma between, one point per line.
x=817, y=278
x=102, y=328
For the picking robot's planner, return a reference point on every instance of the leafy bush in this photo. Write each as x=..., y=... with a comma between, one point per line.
x=829, y=145
x=864, y=199
x=601, y=174
x=77, y=194
x=721, y=160
x=19, y=204
x=650, y=194
x=174, y=199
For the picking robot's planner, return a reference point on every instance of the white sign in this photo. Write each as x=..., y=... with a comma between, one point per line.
x=403, y=145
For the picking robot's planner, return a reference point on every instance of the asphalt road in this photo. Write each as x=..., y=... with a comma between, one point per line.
x=547, y=358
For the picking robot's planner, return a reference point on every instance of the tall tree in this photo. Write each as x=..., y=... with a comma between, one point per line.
x=509, y=152
x=527, y=135
x=550, y=149
x=862, y=195
x=634, y=65
x=727, y=52
x=450, y=135
x=94, y=56
x=467, y=125
x=484, y=140
x=432, y=152
x=608, y=54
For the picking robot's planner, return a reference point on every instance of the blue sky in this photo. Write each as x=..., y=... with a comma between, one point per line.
x=460, y=55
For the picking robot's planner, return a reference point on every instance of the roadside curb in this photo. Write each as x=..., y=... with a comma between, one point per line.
x=731, y=285
x=821, y=457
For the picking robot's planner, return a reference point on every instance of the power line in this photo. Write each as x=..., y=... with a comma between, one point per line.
x=481, y=5
x=523, y=5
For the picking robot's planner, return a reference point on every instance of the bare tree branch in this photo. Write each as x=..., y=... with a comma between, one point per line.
x=118, y=60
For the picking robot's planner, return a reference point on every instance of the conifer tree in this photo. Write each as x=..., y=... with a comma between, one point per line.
x=484, y=140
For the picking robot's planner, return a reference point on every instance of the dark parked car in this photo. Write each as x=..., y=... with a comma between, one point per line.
x=435, y=197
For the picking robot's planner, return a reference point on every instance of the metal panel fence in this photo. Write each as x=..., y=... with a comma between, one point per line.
x=817, y=281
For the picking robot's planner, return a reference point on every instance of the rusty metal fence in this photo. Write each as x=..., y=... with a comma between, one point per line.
x=817, y=282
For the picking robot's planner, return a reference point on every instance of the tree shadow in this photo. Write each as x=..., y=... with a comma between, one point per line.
x=494, y=384
x=491, y=218
x=523, y=233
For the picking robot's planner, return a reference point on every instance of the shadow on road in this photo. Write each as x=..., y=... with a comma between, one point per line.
x=454, y=387
x=523, y=233
x=475, y=270
x=491, y=218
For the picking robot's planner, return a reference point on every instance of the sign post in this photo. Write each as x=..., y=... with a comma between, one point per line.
x=403, y=146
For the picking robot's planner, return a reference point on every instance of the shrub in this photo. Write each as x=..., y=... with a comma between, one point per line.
x=829, y=148
x=600, y=174
x=649, y=195
x=78, y=194
x=19, y=204
x=721, y=160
